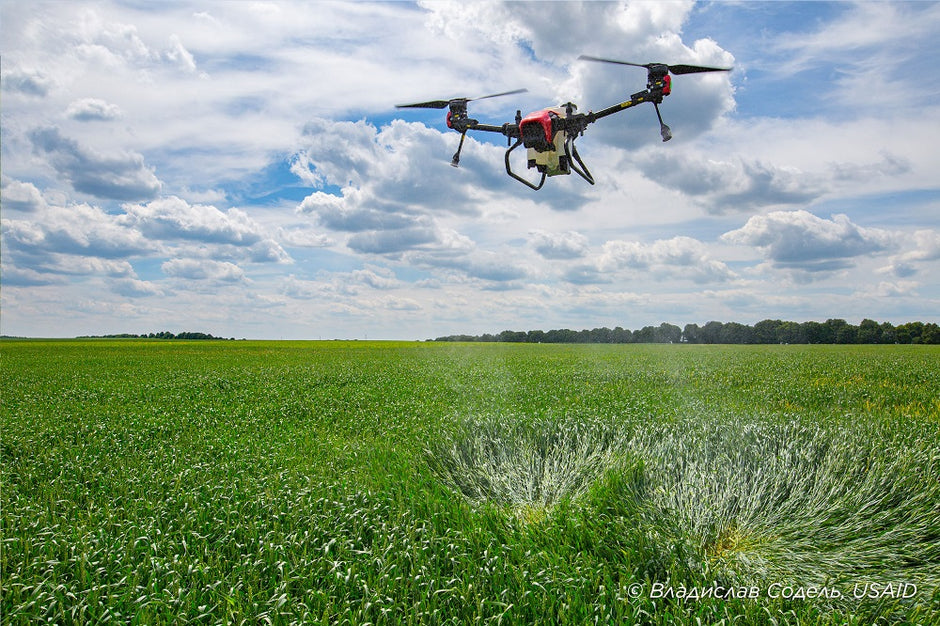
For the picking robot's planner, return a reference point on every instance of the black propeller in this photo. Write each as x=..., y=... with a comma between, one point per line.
x=675, y=69
x=443, y=104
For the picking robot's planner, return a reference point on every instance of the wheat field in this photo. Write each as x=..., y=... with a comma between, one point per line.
x=428, y=483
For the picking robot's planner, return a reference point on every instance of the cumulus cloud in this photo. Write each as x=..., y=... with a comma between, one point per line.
x=889, y=289
x=376, y=277
x=93, y=109
x=203, y=270
x=799, y=240
x=586, y=274
x=14, y=276
x=303, y=237
x=135, y=288
x=491, y=267
x=735, y=184
x=115, y=177
x=47, y=240
x=390, y=199
x=174, y=218
x=567, y=245
x=396, y=168
x=352, y=212
x=678, y=257
x=80, y=229
x=392, y=241
x=19, y=196
x=920, y=248
x=27, y=81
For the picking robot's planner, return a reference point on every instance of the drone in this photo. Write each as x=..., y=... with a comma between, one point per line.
x=549, y=134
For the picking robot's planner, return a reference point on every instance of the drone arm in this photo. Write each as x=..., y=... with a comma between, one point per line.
x=655, y=96
x=635, y=99
x=489, y=128
x=507, y=130
x=462, y=125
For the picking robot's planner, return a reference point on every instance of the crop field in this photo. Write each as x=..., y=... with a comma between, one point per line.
x=437, y=483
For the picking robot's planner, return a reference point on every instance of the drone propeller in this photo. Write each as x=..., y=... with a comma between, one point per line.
x=443, y=104
x=675, y=69
x=457, y=117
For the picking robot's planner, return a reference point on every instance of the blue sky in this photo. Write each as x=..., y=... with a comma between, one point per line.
x=239, y=168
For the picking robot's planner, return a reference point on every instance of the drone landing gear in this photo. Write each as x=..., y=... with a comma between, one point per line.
x=570, y=162
x=663, y=129
x=455, y=162
x=580, y=169
x=516, y=176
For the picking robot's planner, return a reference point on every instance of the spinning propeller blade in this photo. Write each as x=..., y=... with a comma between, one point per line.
x=496, y=95
x=675, y=69
x=433, y=104
x=443, y=104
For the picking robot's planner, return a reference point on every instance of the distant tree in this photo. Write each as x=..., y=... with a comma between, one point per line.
x=621, y=335
x=512, y=336
x=930, y=334
x=733, y=332
x=814, y=332
x=790, y=332
x=765, y=331
x=535, y=336
x=842, y=331
x=910, y=332
x=869, y=331
x=888, y=333
x=711, y=332
x=647, y=334
x=668, y=333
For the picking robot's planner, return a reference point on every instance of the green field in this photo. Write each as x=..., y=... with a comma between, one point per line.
x=371, y=482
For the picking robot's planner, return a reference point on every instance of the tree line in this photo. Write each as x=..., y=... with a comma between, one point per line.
x=833, y=331
x=160, y=335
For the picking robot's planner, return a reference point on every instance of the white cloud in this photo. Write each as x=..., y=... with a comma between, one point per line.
x=203, y=269
x=93, y=109
x=173, y=218
x=118, y=177
x=680, y=257
x=731, y=185
x=887, y=289
x=79, y=229
x=19, y=196
x=567, y=245
x=29, y=82
x=135, y=288
x=799, y=240
x=920, y=249
x=303, y=238
x=376, y=277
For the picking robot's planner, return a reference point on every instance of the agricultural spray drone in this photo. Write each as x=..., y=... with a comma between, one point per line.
x=549, y=134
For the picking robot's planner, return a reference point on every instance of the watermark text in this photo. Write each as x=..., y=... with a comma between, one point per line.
x=897, y=590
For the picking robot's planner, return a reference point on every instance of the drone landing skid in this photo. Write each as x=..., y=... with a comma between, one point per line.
x=580, y=169
x=571, y=162
x=516, y=176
